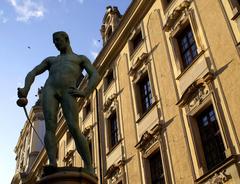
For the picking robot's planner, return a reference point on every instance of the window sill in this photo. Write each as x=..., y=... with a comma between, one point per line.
x=236, y=14
x=146, y=112
x=218, y=168
x=189, y=66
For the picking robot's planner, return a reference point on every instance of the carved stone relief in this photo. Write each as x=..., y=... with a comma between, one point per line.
x=148, y=139
x=115, y=171
x=139, y=67
x=219, y=178
x=198, y=97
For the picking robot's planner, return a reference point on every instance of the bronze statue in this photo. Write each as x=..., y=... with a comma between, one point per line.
x=65, y=71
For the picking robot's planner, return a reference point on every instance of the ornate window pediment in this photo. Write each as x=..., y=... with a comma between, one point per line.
x=110, y=104
x=176, y=14
x=115, y=171
x=149, y=138
x=87, y=132
x=196, y=92
x=138, y=68
x=68, y=158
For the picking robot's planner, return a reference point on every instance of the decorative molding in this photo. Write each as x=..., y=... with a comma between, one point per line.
x=138, y=63
x=87, y=132
x=68, y=156
x=108, y=103
x=175, y=15
x=219, y=178
x=196, y=92
x=149, y=138
x=115, y=170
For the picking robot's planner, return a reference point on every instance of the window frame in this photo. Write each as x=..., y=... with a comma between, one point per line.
x=180, y=36
x=196, y=137
x=107, y=83
x=200, y=115
x=133, y=36
x=109, y=131
x=139, y=98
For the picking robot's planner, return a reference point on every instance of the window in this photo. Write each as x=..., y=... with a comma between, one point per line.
x=113, y=130
x=69, y=137
x=136, y=41
x=145, y=93
x=109, y=78
x=156, y=169
x=165, y=3
x=187, y=46
x=212, y=142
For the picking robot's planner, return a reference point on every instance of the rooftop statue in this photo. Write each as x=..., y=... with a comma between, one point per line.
x=65, y=71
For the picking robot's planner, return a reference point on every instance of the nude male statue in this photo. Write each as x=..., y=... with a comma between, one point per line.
x=61, y=88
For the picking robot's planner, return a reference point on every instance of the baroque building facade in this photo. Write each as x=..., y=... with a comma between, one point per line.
x=167, y=107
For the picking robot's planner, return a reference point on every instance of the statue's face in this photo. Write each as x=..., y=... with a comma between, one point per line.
x=60, y=42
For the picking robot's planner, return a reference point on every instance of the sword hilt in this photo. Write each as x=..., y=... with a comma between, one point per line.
x=22, y=102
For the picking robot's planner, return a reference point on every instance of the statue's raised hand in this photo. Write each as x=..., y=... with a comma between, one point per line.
x=22, y=92
x=76, y=93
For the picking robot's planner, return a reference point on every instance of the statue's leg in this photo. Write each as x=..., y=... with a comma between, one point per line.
x=50, y=109
x=69, y=106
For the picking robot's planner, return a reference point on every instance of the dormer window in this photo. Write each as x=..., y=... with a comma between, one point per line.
x=110, y=22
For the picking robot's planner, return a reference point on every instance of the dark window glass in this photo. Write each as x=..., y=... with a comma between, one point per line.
x=113, y=128
x=145, y=93
x=212, y=142
x=187, y=46
x=109, y=78
x=69, y=137
x=156, y=169
x=87, y=109
x=137, y=39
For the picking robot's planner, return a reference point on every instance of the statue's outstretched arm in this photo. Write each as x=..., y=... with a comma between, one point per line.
x=42, y=67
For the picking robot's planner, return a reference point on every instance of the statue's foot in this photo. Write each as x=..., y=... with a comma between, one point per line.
x=49, y=169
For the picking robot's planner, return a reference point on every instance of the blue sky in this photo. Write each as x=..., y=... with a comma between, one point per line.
x=26, y=28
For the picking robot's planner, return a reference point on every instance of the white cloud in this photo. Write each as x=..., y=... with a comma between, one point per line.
x=3, y=19
x=27, y=9
x=94, y=54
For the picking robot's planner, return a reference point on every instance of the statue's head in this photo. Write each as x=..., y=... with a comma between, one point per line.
x=61, y=40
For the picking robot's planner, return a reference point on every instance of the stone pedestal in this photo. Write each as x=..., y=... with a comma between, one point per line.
x=67, y=175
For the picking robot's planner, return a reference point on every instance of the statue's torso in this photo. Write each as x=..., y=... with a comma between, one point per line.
x=64, y=71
